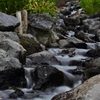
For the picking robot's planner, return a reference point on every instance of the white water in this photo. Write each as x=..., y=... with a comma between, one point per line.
x=49, y=93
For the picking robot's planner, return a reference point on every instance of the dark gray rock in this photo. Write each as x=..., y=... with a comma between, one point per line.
x=43, y=57
x=92, y=67
x=30, y=43
x=83, y=36
x=46, y=76
x=43, y=22
x=14, y=77
x=8, y=22
x=93, y=53
x=16, y=94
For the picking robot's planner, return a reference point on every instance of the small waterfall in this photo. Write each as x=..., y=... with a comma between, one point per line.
x=29, y=77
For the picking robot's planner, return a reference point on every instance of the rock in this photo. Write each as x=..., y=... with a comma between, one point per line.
x=82, y=92
x=8, y=22
x=83, y=36
x=46, y=76
x=71, y=21
x=98, y=35
x=8, y=62
x=9, y=35
x=93, y=53
x=13, y=77
x=78, y=45
x=92, y=67
x=43, y=22
x=30, y=43
x=93, y=24
x=16, y=94
x=13, y=48
x=41, y=26
x=93, y=93
x=66, y=42
x=43, y=57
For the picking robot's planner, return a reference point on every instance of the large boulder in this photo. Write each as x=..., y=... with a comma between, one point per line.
x=43, y=22
x=11, y=72
x=13, y=48
x=41, y=26
x=89, y=90
x=43, y=57
x=30, y=43
x=46, y=76
x=92, y=67
x=8, y=22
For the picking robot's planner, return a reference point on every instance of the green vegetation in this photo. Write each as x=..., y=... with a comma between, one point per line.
x=33, y=6
x=90, y=6
x=42, y=6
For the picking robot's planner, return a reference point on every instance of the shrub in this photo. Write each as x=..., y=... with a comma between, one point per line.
x=90, y=6
x=33, y=6
x=42, y=6
x=11, y=6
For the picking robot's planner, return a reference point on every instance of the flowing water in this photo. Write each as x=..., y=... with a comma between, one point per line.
x=73, y=80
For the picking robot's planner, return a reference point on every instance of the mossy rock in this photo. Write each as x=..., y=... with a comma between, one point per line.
x=30, y=43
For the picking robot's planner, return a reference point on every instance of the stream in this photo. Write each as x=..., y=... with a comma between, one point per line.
x=72, y=80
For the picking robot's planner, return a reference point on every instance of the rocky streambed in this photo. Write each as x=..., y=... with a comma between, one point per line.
x=55, y=56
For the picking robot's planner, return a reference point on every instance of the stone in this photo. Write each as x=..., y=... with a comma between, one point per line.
x=16, y=94
x=92, y=67
x=67, y=42
x=83, y=91
x=9, y=35
x=8, y=22
x=46, y=76
x=13, y=48
x=43, y=57
x=30, y=43
x=93, y=53
x=13, y=77
x=83, y=36
x=8, y=62
x=43, y=22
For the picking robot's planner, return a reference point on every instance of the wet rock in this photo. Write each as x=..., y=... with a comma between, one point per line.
x=83, y=36
x=71, y=21
x=92, y=67
x=97, y=45
x=75, y=63
x=81, y=92
x=8, y=22
x=43, y=57
x=14, y=77
x=30, y=43
x=46, y=76
x=77, y=45
x=67, y=42
x=98, y=35
x=16, y=94
x=93, y=53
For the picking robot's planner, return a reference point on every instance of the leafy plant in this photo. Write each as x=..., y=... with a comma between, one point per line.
x=11, y=6
x=42, y=6
x=90, y=6
x=33, y=6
